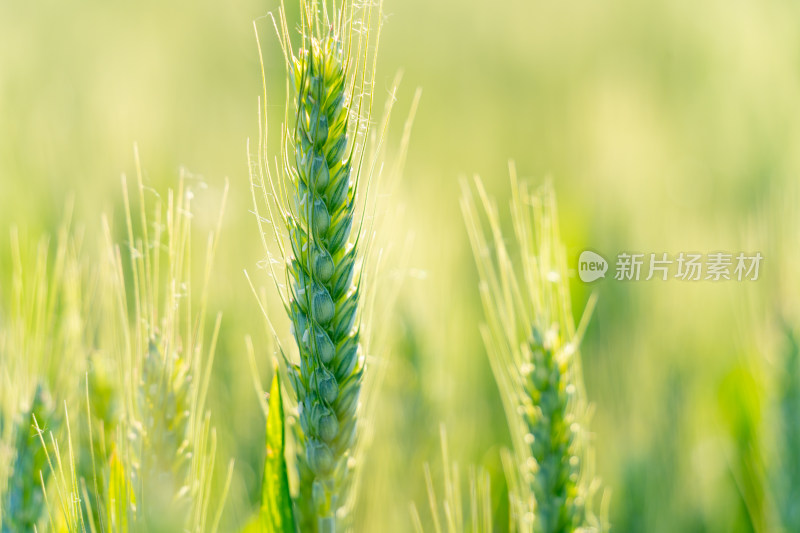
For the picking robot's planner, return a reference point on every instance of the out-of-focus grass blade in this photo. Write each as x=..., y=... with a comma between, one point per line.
x=120, y=494
x=276, y=504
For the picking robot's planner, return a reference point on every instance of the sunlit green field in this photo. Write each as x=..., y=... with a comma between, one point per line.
x=667, y=126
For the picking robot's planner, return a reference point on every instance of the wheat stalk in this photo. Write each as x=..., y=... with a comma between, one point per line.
x=533, y=350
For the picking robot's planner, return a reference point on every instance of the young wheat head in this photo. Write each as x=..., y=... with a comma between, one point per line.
x=24, y=505
x=41, y=357
x=532, y=344
x=159, y=467
x=315, y=194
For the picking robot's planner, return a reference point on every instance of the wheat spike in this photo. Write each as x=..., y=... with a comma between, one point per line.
x=323, y=163
x=533, y=349
x=24, y=505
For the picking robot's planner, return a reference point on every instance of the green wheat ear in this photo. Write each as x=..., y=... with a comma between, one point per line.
x=533, y=349
x=159, y=468
x=315, y=196
x=789, y=407
x=325, y=299
x=164, y=407
x=42, y=352
x=24, y=505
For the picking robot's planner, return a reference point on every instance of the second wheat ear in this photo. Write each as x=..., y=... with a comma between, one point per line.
x=532, y=344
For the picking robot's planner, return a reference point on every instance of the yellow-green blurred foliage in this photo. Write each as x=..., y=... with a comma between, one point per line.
x=666, y=126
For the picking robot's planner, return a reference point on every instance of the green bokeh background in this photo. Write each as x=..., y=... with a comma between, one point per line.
x=664, y=126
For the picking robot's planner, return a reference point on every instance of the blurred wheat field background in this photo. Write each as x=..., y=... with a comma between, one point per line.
x=666, y=126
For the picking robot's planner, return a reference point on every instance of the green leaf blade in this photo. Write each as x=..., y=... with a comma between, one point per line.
x=276, y=505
